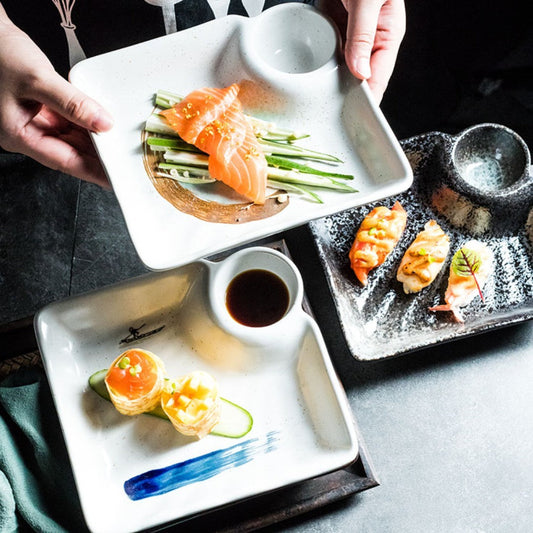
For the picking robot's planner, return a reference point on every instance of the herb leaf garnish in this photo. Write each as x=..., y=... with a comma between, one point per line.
x=466, y=262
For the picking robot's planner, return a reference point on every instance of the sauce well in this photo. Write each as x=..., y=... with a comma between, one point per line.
x=257, y=298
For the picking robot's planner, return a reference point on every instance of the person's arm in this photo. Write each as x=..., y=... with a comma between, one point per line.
x=41, y=114
x=375, y=30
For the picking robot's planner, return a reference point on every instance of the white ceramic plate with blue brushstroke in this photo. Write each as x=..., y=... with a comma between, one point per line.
x=134, y=473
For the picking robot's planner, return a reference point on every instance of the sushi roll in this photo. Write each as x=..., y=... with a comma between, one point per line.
x=424, y=258
x=471, y=266
x=192, y=403
x=134, y=381
x=375, y=239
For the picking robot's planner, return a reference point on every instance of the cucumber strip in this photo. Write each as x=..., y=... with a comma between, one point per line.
x=283, y=162
x=311, y=180
x=280, y=148
x=187, y=158
x=183, y=161
x=157, y=124
x=166, y=99
x=186, y=176
x=235, y=421
x=185, y=173
x=291, y=187
x=164, y=143
x=269, y=131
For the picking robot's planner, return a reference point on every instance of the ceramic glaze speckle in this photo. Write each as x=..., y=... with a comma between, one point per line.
x=381, y=321
x=491, y=158
x=486, y=173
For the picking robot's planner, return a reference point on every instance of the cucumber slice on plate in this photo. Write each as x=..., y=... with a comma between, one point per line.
x=235, y=421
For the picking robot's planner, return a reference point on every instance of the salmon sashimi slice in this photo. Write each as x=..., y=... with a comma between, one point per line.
x=213, y=120
x=246, y=171
x=222, y=137
x=199, y=109
x=375, y=239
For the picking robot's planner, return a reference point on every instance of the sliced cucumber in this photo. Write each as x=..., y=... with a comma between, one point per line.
x=235, y=421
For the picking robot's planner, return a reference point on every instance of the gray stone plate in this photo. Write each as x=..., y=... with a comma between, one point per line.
x=379, y=320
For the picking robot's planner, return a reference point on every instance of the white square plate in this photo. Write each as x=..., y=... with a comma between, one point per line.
x=302, y=428
x=334, y=108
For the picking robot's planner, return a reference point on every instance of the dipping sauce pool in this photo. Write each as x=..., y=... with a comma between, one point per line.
x=257, y=298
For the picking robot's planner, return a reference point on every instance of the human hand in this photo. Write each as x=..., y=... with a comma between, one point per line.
x=375, y=29
x=41, y=114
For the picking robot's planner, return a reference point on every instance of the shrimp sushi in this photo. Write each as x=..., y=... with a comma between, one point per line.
x=212, y=120
x=377, y=236
x=192, y=403
x=470, y=268
x=134, y=381
x=424, y=258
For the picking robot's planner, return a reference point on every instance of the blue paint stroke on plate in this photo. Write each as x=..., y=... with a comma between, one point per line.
x=163, y=480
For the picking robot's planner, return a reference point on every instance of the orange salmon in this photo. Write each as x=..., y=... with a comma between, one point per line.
x=199, y=109
x=212, y=120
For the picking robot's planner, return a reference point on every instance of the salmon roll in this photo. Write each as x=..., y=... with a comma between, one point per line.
x=135, y=381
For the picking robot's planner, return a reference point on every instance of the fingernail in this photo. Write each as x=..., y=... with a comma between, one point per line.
x=363, y=67
x=102, y=120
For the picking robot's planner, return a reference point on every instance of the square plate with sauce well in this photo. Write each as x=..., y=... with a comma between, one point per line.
x=172, y=224
x=302, y=423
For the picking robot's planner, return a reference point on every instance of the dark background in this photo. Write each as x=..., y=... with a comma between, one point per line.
x=463, y=63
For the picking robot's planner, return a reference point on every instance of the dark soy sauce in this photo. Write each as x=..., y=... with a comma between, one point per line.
x=257, y=298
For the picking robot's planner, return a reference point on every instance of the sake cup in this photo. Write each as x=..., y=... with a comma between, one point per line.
x=490, y=165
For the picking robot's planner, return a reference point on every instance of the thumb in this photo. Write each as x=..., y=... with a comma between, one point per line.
x=360, y=35
x=61, y=96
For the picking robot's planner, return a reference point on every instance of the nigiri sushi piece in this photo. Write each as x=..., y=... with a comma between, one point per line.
x=471, y=266
x=375, y=239
x=192, y=403
x=213, y=120
x=424, y=258
x=135, y=381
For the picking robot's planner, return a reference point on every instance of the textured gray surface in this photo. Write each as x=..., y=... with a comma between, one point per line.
x=37, y=223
